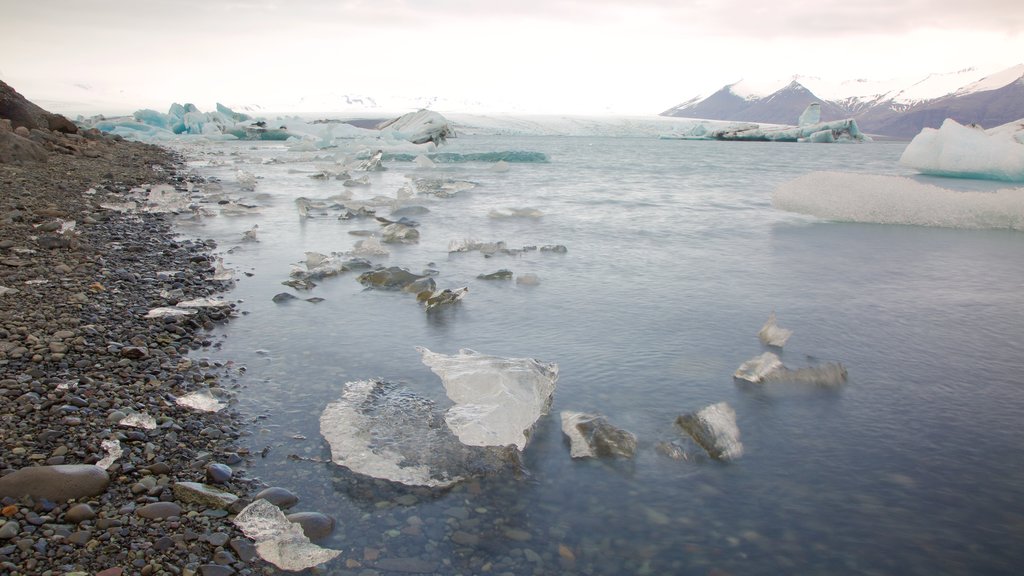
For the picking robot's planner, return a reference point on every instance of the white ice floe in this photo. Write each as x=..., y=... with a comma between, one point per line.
x=969, y=151
x=113, y=450
x=497, y=400
x=847, y=197
x=203, y=303
x=714, y=428
x=202, y=400
x=165, y=311
x=138, y=420
x=771, y=334
x=515, y=213
x=278, y=540
x=420, y=127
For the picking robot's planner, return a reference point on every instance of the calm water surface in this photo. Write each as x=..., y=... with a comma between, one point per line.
x=675, y=259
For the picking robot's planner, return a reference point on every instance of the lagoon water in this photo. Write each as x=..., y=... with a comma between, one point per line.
x=675, y=258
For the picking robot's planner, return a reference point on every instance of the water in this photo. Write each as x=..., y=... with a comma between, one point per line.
x=675, y=259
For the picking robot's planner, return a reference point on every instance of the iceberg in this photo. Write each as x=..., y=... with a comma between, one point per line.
x=817, y=132
x=768, y=367
x=497, y=400
x=382, y=430
x=278, y=540
x=959, y=151
x=714, y=428
x=811, y=115
x=844, y=197
x=592, y=436
x=420, y=127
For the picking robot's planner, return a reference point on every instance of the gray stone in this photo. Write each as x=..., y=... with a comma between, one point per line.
x=218, y=473
x=158, y=510
x=315, y=525
x=58, y=483
x=9, y=530
x=280, y=497
x=80, y=513
x=203, y=495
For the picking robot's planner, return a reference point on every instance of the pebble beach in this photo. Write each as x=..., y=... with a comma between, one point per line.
x=82, y=367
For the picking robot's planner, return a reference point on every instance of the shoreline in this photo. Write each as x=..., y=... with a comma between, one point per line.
x=77, y=355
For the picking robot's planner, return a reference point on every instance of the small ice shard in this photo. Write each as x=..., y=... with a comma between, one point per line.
x=961, y=151
x=202, y=400
x=220, y=273
x=423, y=162
x=246, y=180
x=250, y=234
x=442, y=298
x=515, y=213
x=772, y=335
x=203, y=303
x=592, y=436
x=139, y=420
x=811, y=115
x=382, y=430
x=113, y=450
x=278, y=540
x=757, y=369
x=714, y=428
x=499, y=166
x=373, y=163
x=441, y=188
x=497, y=400
x=166, y=311
x=397, y=233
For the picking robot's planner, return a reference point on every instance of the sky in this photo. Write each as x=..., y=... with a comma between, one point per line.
x=530, y=56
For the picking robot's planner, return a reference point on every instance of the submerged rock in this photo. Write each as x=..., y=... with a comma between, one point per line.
x=714, y=428
x=592, y=436
x=58, y=483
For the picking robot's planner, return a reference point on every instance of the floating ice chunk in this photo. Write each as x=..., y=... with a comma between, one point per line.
x=772, y=335
x=810, y=115
x=139, y=420
x=497, y=400
x=159, y=199
x=420, y=127
x=250, y=234
x=369, y=247
x=396, y=278
x=500, y=166
x=515, y=213
x=443, y=298
x=373, y=163
x=423, y=162
x=202, y=400
x=247, y=180
x=113, y=450
x=221, y=273
x=166, y=311
x=397, y=233
x=877, y=199
x=440, y=187
x=278, y=540
x=969, y=151
x=714, y=428
x=203, y=303
x=592, y=436
x=528, y=279
x=759, y=368
x=381, y=430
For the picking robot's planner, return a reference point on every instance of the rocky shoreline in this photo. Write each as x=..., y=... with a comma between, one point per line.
x=78, y=354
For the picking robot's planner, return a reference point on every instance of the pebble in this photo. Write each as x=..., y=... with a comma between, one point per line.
x=315, y=525
x=9, y=530
x=280, y=497
x=79, y=513
x=218, y=473
x=159, y=510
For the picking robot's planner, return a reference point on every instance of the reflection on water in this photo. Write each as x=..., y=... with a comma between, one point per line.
x=674, y=261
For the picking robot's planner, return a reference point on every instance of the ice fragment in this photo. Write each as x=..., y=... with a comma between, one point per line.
x=278, y=540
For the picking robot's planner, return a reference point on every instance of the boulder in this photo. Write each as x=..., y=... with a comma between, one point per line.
x=59, y=483
x=16, y=149
x=21, y=112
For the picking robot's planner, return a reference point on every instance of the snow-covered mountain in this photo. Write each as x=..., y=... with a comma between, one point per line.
x=895, y=108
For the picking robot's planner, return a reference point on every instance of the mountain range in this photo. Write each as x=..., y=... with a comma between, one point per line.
x=880, y=108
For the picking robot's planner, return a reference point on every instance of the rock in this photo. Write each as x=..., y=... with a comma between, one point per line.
x=20, y=111
x=158, y=510
x=9, y=530
x=215, y=570
x=15, y=149
x=58, y=483
x=714, y=428
x=315, y=525
x=593, y=436
x=280, y=497
x=115, y=571
x=203, y=495
x=218, y=473
x=79, y=513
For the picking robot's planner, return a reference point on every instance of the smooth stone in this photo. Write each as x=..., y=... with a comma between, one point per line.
x=218, y=538
x=158, y=510
x=314, y=524
x=80, y=538
x=58, y=483
x=115, y=571
x=280, y=497
x=203, y=495
x=80, y=513
x=9, y=530
x=218, y=473
x=246, y=550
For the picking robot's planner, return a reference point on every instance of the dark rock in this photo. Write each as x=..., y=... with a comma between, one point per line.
x=58, y=483
x=79, y=513
x=158, y=510
x=280, y=497
x=315, y=525
x=15, y=149
x=218, y=473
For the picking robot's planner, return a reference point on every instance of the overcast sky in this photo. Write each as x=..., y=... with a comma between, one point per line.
x=586, y=56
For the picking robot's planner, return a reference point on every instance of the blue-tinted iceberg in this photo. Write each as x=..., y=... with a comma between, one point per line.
x=845, y=197
x=961, y=151
x=819, y=132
